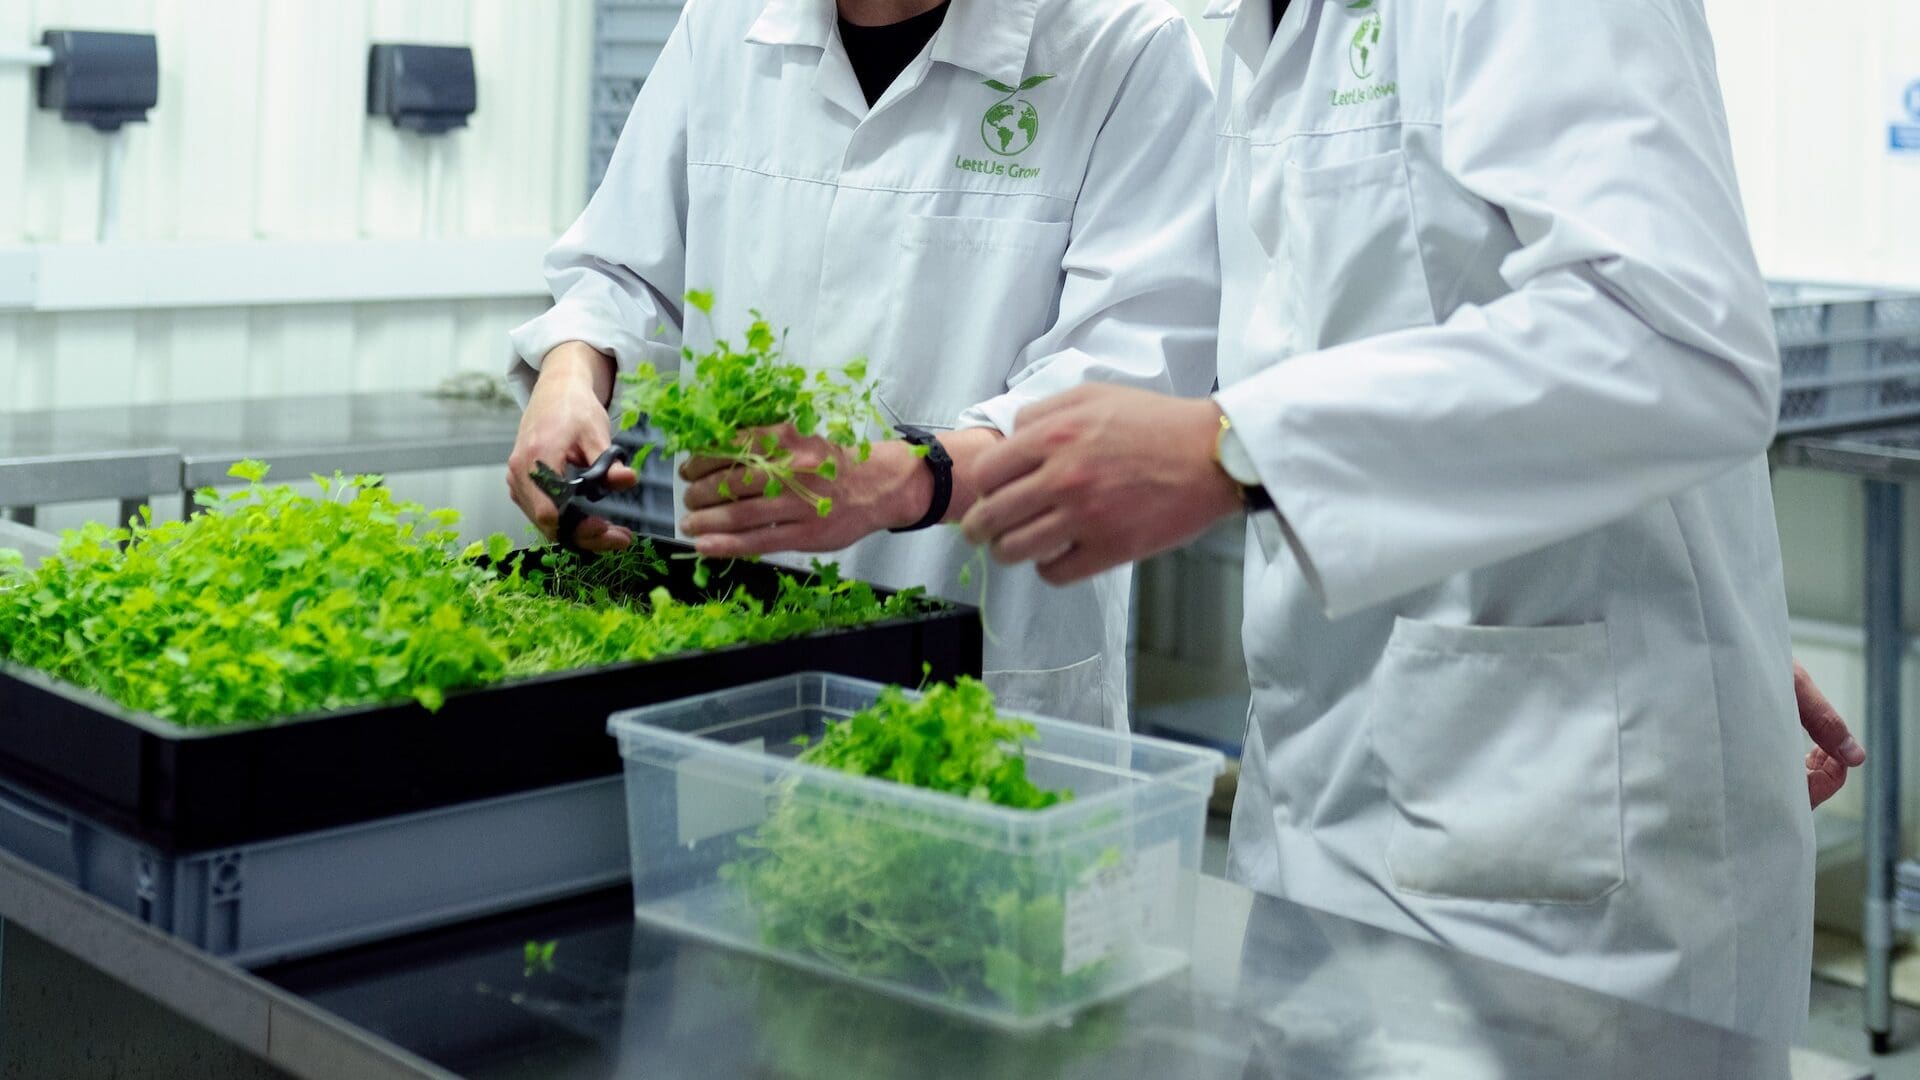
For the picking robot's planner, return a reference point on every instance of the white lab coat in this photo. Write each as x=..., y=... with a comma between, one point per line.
x=1495, y=336
x=976, y=281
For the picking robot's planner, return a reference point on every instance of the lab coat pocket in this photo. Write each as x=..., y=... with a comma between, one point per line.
x=1349, y=232
x=1501, y=748
x=969, y=295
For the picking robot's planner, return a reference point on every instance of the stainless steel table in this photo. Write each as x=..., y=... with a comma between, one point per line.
x=1885, y=459
x=54, y=457
x=1275, y=990
x=132, y=452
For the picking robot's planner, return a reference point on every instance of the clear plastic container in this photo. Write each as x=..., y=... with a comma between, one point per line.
x=1014, y=917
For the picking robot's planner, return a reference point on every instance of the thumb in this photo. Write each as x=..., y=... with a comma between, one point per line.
x=1823, y=722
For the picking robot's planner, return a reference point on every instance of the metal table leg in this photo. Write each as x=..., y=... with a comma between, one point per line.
x=1886, y=641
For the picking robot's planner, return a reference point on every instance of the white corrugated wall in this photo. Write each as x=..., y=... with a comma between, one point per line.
x=261, y=134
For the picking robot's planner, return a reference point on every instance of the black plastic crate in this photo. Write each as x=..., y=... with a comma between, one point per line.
x=187, y=789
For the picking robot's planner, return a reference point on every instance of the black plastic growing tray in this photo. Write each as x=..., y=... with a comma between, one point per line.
x=188, y=789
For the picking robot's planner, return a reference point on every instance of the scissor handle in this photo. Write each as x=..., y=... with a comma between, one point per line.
x=591, y=482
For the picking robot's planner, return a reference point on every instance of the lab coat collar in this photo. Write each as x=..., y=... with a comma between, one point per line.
x=1221, y=9
x=989, y=37
x=795, y=22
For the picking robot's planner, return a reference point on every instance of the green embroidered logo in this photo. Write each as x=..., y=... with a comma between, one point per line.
x=1012, y=123
x=1363, y=52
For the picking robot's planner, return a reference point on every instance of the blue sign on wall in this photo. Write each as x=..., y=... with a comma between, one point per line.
x=1903, y=135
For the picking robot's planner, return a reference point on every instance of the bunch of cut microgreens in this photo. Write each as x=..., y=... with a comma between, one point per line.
x=881, y=896
x=734, y=391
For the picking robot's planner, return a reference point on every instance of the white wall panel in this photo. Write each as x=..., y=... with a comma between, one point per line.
x=261, y=135
x=1810, y=90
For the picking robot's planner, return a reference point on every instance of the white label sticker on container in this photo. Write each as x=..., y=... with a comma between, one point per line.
x=1131, y=898
x=713, y=798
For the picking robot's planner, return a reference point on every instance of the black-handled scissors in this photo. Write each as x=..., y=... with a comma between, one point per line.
x=579, y=485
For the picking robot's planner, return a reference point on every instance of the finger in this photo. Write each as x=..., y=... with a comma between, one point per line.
x=1025, y=500
x=739, y=484
x=601, y=535
x=696, y=467
x=622, y=478
x=747, y=514
x=592, y=440
x=1043, y=539
x=1825, y=782
x=1823, y=722
x=1008, y=461
x=1046, y=407
x=1081, y=562
x=794, y=536
x=532, y=501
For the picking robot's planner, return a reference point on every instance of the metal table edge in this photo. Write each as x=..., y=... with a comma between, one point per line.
x=274, y=1025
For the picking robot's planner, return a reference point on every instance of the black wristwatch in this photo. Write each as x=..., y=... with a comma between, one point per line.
x=941, y=464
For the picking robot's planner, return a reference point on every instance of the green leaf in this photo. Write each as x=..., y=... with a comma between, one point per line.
x=996, y=84
x=430, y=696
x=1032, y=81
x=249, y=470
x=700, y=301
x=828, y=470
x=499, y=546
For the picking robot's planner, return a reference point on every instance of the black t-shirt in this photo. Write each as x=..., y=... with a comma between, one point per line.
x=880, y=53
x=1279, y=12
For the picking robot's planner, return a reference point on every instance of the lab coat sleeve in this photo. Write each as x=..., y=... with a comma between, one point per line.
x=1140, y=295
x=1633, y=359
x=619, y=274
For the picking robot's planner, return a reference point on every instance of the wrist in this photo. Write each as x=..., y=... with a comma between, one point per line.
x=1228, y=496
x=577, y=365
x=909, y=484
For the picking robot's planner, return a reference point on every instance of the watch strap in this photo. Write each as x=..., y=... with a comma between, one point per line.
x=940, y=463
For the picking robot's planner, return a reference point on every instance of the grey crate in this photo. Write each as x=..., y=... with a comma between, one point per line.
x=1850, y=357
x=272, y=901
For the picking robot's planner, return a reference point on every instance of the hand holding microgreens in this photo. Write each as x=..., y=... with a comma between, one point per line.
x=736, y=396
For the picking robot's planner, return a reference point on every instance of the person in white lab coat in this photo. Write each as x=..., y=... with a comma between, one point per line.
x=1014, y=209
x=1498, y=375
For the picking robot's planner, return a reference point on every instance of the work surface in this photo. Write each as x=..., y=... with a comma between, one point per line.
x=1275, y=991
x=53, y=456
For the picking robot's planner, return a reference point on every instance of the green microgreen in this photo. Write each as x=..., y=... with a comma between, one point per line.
x=274, y=603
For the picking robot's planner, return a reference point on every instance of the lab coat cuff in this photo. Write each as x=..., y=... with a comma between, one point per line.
x=565, y=322
x=1320, y=503
x=996, y=413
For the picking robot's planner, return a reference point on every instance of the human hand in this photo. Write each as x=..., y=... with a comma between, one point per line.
x=1835, y=749
x=732, y=516
x=565, y=423
x=1099, y=477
